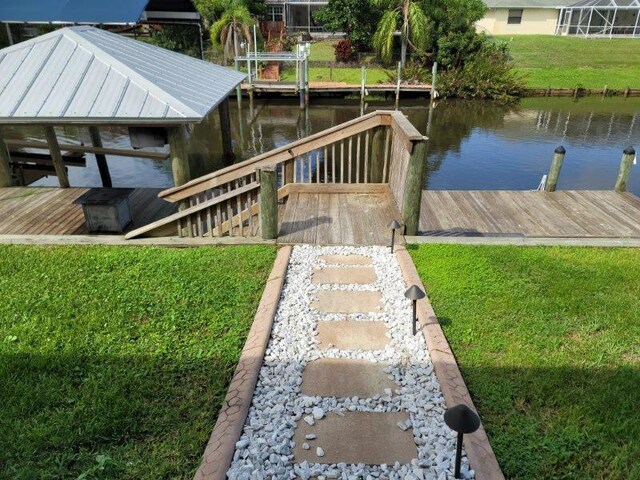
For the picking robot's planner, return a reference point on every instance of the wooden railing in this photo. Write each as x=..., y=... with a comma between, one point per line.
x=372, y=149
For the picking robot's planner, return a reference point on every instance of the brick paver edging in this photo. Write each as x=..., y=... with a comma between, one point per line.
x=218, y=453
x=479, y=451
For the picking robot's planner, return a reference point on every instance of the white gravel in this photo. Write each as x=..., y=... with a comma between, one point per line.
x=265, y=450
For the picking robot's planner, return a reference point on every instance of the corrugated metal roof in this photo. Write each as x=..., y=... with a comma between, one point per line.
x=87, y=75
x=72, y=11
x=528, y=3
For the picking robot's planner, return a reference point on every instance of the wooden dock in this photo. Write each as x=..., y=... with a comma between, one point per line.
x=569, y=213
x=51, y=211
x=318, y=88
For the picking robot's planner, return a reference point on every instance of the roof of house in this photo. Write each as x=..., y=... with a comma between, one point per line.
x=528, y=3
x=95, y=11
x=87, y=75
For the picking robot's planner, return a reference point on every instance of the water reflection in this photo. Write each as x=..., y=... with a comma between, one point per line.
x=473, y=144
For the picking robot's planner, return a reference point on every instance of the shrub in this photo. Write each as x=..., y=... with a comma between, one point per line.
x=344, y=51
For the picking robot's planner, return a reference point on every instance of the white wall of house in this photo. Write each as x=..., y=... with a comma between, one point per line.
x=532, y=21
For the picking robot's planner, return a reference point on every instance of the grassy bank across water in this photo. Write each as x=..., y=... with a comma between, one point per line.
x=547, y=341
x=570, y=62
x=114, y=361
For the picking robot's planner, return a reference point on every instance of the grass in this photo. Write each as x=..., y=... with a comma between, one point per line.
x=323, y=52
x=547, y=341
x=348, y=75
x=570, y=62
x=114, y=360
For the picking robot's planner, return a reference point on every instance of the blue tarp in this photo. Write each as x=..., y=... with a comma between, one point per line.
x=72, y=11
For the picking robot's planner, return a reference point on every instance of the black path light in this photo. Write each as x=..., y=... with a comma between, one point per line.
x=461, y=419
x=414, y=294
x=394, y=225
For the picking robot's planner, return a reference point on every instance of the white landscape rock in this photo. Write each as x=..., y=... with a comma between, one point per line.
x=265, y=449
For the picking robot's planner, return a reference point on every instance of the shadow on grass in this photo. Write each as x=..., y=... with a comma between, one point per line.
x=65, y=416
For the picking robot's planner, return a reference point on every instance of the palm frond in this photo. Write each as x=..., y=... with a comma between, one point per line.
x=383, y=38
x=418, y=27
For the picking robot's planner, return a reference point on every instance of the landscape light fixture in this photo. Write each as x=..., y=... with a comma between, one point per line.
x=414, y=294
x=461, y=419
x=394, y=225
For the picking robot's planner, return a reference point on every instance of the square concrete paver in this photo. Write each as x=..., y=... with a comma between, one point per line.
x=345, y=259
x=357, y=437
x=341, y=301
x=345, y=377
x=352, y=335
x=345, y=275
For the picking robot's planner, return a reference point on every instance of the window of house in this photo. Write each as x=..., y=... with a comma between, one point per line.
x=275, y=13
x=515, y=16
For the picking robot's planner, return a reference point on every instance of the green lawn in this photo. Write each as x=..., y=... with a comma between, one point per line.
x=323, y=52
x=114, y=360
x=348, y=75
x=569, y=62
x=548, y=342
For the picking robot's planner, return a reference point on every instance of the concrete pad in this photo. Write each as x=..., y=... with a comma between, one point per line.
x=345, y=377
x=357, y=437
x=351, y=335
x=345, y=275
x=340, y=301
x=345, y=259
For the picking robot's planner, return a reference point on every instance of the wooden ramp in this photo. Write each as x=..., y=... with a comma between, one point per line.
x=569, y=213
x=51, y=211
x=337, y=219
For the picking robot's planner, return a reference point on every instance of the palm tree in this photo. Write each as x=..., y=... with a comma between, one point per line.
x=233, y=28
x=407, y=16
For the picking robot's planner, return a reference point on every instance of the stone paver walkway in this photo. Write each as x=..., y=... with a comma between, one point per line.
x=346, y=390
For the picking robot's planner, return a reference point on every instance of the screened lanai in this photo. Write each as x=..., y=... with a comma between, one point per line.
x=600, y=18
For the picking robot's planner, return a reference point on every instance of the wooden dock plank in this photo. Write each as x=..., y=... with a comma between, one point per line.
x=577, y=213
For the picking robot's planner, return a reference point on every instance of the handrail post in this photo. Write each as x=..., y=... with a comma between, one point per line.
x=554, y=171
x=416, y=171
x=628, y=156
x=268, y=203
x=377, y=155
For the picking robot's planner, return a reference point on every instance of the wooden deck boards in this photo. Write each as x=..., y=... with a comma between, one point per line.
x=51, y=211
x=337, y=219
x=569, y=213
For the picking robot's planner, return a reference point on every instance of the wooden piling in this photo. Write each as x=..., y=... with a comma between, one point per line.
x=377, y=155
x=101, y=159
x=6, y=175
x=416, y=171
x=398, y=84
x=268, y=203
x=434, y=79
x=554, y=171
x=628, y=156
x=56, y=156
x=225, y=131
x=363, y=80
x=238, y=88
x=178, y=147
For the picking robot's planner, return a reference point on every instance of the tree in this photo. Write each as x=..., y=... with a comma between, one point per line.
x=232, y=28
x=356, y=18
x=407, y=16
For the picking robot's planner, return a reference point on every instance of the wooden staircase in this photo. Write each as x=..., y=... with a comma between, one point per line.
x=378, y=150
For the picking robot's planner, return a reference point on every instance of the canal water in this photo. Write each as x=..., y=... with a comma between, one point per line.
x=473, y=144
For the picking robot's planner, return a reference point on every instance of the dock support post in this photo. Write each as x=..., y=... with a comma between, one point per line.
x=239, y=87
x=225, y=131
x=416, y=171
x=377, y=155
x=554, y=171
x=398, y=84
x=179, y=154
x=434, y=78
x=56, y=156
x=6, y=175
x=268, y=203
x=628, y=156
x=301, y=86
x=101, y=159
x=307, y=74
x=363, y=81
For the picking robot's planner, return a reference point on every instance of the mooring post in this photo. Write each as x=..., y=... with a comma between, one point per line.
x=225, y=132
x=434, y=78
x=178, y=147
x=56, y=156
x=307, y=74
x=398, y=84
x=377, y=155
x=239, y=87
x=363, y=79
x=628, y=157
x=416, y=171
x=101, y=159
x=6, y=175
x=268, y=203
x=554, y=171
